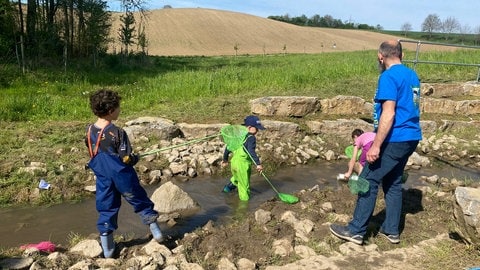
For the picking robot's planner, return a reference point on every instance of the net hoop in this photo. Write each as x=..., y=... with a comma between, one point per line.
x=234, y=136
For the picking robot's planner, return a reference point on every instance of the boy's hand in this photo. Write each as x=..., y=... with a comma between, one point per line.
x=131, y=159
x=259, y=168
x=224, y=163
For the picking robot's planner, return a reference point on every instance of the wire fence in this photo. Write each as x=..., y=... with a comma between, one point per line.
x=417, y=53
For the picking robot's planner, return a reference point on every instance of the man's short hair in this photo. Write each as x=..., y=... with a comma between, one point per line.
x=391, y=48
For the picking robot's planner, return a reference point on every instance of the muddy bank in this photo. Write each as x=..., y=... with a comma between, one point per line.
x=276, y=235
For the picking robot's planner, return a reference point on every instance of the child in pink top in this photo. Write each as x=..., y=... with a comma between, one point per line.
x=361, y=141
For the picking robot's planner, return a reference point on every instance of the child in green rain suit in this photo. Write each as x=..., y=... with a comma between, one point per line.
x=241, y=161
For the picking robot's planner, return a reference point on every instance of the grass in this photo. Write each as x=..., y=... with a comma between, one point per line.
x=449, y=255
x=452, y=38
x=225, y=82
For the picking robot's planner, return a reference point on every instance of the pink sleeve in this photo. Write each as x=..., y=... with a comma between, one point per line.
x=364, y=139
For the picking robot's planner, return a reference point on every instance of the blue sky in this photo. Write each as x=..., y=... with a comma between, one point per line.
x=390, y=14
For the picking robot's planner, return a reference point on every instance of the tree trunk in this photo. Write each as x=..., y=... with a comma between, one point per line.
x=66, y=24
x=31, y=26
x=81, y=28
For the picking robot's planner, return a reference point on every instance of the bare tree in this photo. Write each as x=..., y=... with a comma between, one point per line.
x=476, y=31
x=449, y=26
x=464, y=31
x=431, y=24
x=406, y=27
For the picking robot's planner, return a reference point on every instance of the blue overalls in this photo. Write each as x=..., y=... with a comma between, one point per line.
x=116, y=179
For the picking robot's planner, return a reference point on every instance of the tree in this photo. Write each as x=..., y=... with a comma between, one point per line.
x=477, y=35
x=449, y=26
x=143, y=40
x=431, y=24
x=31, y=29
x=327, y=21
x=406, y=27
x=126, y=33
x=53, y=30
x=97, y=28
x=464, y=31
x=315, y=20
x=7, y=28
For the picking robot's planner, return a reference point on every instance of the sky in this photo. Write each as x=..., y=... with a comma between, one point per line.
x=390, y=14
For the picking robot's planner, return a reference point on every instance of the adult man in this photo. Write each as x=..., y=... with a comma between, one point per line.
x=397, y=126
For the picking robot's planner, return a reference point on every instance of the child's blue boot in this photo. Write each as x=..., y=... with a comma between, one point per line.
x=108, y=245
x=229, y=187
x=156, y=232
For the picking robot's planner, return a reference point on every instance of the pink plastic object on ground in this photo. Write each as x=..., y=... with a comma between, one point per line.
x=42, y=246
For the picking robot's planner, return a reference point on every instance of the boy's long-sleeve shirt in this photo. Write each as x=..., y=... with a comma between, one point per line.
x=250, y=145
x=114, y=140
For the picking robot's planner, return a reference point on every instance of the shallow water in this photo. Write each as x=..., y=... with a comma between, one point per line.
x=32, y=225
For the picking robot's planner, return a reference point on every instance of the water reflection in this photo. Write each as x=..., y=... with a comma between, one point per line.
x=32, y=225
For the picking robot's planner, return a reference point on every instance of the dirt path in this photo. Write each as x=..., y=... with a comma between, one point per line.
x=426, y=236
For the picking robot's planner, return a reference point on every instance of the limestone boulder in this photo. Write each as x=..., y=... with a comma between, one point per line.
x=467, y=214
x=345, y=105
x=169, y=198
x=294, y=106
x=160, y=128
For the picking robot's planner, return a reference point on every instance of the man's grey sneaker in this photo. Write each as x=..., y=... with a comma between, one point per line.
x=342, y=232
x=393, y=238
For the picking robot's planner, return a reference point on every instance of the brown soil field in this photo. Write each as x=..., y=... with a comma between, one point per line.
x=209, y=32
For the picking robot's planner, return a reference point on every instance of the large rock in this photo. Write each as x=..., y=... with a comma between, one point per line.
x=169, y=198
x=436, y=105
x=296, y=106
x=446, y=90
x=278, y=129
x=472, y=88
x=428, y=126
x=345, y=105
x=339, y=127
x=442, y=89
x=88, y=247
x=447, y=106
x=161, y=128
x=200, y=130
x=467, y=214
x=452, y=125
x=16, y=263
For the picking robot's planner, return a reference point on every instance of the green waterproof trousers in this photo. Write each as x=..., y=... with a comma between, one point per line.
x=241, y=166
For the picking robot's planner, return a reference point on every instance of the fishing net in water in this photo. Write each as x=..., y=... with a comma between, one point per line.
x=234, y=136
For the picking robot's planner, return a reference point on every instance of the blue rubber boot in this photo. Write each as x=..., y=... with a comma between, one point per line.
x=229, y=187
x=108, y=245
x=156, y=232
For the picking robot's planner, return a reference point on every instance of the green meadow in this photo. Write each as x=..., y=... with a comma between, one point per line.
x=215, y=87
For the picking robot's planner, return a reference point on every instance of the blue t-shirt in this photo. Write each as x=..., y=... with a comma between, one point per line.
x=400, y=84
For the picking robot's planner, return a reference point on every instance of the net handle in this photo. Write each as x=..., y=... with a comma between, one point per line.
x=178, y=145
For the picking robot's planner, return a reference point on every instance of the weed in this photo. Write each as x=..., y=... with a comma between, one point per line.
x=74, y=238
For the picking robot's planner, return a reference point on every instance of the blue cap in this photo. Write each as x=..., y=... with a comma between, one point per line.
x=253, y=121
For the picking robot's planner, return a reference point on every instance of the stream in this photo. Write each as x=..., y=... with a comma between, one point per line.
x=58, y=223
